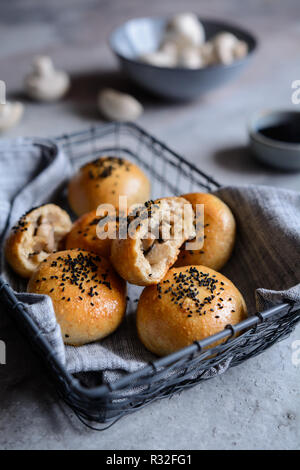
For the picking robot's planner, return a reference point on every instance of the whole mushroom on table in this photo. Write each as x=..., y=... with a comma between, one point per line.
x=45, y=82
x=11, y=113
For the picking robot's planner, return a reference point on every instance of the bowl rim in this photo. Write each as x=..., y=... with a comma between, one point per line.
x=254, y=40
x=268, y=141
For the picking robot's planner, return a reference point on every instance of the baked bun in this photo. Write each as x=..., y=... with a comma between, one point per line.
x=159, y=229
x=219, y=233
x=189, y=304
x=84, y=234
x=89, y=298
x=37, y=234
x=103, y=181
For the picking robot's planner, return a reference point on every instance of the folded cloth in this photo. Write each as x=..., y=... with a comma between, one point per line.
x=265, y=259
x=31, y=173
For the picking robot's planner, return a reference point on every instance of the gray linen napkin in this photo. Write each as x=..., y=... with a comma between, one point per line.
x=266, y=257
x=265, y=260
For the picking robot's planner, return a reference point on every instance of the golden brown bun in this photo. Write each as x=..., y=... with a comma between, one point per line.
x=37, y=234
x=190, y=304
x=89, y=298
x=219, y=233
x=145, y=259
x=103, y=181
x=84, y=235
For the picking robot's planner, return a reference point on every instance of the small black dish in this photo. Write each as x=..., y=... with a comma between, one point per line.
x=275, y=138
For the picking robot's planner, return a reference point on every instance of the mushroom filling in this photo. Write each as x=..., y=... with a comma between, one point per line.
x=154, y=248
x=169, y=227
x=44, y=236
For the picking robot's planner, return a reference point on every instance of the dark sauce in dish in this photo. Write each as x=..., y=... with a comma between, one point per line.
x=287, y=130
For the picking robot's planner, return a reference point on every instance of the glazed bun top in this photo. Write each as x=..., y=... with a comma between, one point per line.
x=37, y=234
x=189, y=304
x=88, y=296
x=103, y=180
x=219, y=233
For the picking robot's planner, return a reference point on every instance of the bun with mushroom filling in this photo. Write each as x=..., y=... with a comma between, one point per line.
x=88, y=296
x=189, y=304
x=84, y=233
x=103, y=181
x=37, y=234
x=156, y=231
x=219, y=233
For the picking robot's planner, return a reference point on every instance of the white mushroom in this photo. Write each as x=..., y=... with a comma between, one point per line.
x=180, y=52
x=45, y=83
x=228, y=48
x=160, y=59
x=10, y=114
x=172, y=43
x=208, y=54
x=190, y=57
x=186, y=26
x=241, y=50
x=117, y=106
x=183, y=44
x=169, y=47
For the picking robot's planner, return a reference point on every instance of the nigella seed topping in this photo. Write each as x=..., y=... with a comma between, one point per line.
x=104, y=167
x=21, y=226
x=144, y=212
x=183, y=289
x=77, y=271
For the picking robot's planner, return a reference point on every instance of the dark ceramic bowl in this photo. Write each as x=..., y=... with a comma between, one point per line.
x=142, y=35
x=269, y=134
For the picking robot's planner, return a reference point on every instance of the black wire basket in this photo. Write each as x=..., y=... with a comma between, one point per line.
x=170, y=174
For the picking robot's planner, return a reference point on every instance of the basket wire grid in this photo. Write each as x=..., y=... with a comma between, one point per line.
x=170, y=174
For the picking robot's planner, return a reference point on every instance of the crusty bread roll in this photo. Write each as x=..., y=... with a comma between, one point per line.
x=160, y=228
x=219, y=233
x=103, y=181
x=89, y=298
x=189, y=304
x=84, y=233
x=36, y=235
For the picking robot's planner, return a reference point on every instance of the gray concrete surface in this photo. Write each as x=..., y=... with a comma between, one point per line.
x=256, y=405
